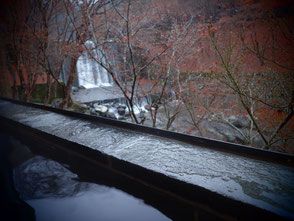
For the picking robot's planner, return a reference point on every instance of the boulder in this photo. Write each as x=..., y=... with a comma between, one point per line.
x=74, y=89
x=81, y=87
x=258, y=142
x=82, y=108
x=101, y=109
x=93, y=112
x=142, y=114
x=224, y=131
x=241, y=121
x=113, y=113
x=121, y=110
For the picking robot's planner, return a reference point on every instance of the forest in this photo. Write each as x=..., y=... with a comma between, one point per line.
x=211, y=68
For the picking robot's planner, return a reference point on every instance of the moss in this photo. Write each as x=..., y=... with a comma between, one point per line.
x=82, y=108
x=39, y=93
x=75, y=107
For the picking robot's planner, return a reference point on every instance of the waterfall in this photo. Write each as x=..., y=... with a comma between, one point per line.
x=90, y=73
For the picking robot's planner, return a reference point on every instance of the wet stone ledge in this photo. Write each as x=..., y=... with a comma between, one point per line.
x=226, y=185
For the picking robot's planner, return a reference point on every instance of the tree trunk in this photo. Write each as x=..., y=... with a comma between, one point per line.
x=54, y=89
x=67, y=87
x=48, y=90
x=15, y=94
x=28, y=96
x=5, y=87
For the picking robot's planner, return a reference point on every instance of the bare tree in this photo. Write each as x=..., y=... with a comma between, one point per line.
x=265, y=94
x=125, y=29
x=22, y=50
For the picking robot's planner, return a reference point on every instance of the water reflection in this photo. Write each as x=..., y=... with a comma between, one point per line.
x=57, y=194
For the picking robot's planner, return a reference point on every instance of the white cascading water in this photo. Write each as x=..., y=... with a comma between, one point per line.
x=90, y=73
x=93, y=75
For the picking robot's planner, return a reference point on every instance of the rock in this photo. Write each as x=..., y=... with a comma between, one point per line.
x=91, y=104
x=74, y=89
x=224, y=131
x=101, y=109
x=258, y=142
x=113, y=113
x=121, y=110
x=142, y=114
x=93, y=112
x=127, y=114
x=84, y=106
x=240, y=121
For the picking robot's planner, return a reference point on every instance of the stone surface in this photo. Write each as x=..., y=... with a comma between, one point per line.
x=263, y=184
x=121, y=110
x=96, y=94
x=240, y=121
x=93, y=112
x=224, y=131
x=100, y=109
